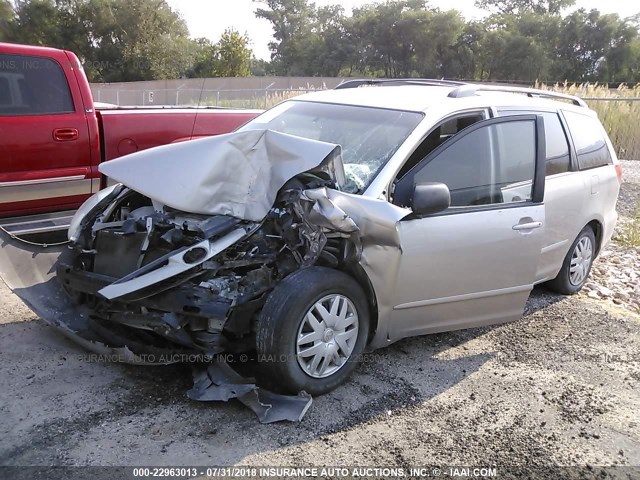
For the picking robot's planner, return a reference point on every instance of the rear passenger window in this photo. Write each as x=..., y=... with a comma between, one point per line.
x=33, y=86
x=589, y=140
x=558, y=158
x=557, y=154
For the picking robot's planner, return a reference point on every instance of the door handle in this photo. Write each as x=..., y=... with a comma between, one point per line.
x=527, y=226
x=65, y=134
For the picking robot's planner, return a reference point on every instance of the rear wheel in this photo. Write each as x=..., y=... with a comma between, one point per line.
x=311, y=332
x=577, y=264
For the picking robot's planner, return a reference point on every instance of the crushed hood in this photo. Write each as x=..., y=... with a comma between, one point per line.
x=237, y=174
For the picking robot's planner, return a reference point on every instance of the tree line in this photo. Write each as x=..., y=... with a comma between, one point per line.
x=124, y=40
x=523, y=40
x=519, y=40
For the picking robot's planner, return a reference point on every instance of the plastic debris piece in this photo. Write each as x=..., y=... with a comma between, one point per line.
x=219, y=382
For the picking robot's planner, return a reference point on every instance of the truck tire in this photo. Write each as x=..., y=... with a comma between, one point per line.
x=577, y=264
x=311, y=332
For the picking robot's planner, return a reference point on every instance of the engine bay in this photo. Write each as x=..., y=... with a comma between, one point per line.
x=210, y=274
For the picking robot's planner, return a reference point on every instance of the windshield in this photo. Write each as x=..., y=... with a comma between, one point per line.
x=368, y=136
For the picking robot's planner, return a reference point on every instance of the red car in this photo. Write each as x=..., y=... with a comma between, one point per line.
x=52, y=137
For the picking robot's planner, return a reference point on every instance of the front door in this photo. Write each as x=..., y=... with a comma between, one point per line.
x=474, y=263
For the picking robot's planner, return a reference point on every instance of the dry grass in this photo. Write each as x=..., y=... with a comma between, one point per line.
x=620, y=117
x=630, y=231
x=266, y=100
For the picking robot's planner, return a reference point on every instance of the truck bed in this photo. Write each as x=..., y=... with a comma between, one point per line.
x=127, y=130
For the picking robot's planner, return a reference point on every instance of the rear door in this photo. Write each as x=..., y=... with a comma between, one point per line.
x=475, y=263
x=44, y=138
x=563, y=195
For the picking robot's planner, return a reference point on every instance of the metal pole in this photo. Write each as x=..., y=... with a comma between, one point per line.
x=265, y=93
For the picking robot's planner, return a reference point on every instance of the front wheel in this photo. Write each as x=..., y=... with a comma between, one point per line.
x=577, y=264
x=311, y=332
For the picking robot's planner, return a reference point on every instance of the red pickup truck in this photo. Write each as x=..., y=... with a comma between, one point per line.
x=52, y=137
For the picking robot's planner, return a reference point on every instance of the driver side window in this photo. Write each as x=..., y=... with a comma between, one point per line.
x=440, y=134
x=494, y=164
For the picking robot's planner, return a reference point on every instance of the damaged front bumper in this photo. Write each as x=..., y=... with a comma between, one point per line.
x=149, y=276
x=29, y=271
x=197, y=281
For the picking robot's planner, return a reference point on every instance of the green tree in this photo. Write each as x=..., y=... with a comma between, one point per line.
x=438, y=51
x=388, y=35
x=6, y=19
x=328, y=46
x=233, y=55
x=622, y=64
x=466, y=59
x=291, y=21
x=135, y=40
x=406, y=38
x=593, y=46
x=553, y=7
x=230, y=56
x=47, y=22
x=204, y=65
x=260, y=67
x=519, y=47
x=118, y=40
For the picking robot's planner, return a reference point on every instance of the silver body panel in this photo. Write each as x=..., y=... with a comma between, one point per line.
x=451, y=271
x=448, y=271
x=464, y=269
x=471, y=269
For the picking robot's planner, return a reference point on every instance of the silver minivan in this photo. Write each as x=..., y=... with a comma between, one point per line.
x=343, y=220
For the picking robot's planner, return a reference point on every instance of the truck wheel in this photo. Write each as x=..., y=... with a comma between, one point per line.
x=311, y=332
x=577, y=264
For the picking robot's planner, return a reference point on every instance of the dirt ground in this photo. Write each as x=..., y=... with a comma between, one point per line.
x=561, y=386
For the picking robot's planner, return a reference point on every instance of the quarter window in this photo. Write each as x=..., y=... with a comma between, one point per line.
x=33, y=86
x=589, y=140
x=494, y=164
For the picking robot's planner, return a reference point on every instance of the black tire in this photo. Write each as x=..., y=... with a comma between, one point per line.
x=279, y=369
x=562, y=283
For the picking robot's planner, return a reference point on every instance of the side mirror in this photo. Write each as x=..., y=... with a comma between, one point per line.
x=430, y=198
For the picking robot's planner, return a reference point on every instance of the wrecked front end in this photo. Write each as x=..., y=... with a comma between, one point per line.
x=180, y=258
x=158, y=276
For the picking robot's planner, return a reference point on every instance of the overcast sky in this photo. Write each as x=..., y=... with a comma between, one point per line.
x=209, y=18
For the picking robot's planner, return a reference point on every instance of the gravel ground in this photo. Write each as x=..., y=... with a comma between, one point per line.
x=558, y=387
x=615, y=276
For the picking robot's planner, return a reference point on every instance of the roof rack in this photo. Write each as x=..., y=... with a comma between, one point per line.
x=433, y=82
x=469, y=90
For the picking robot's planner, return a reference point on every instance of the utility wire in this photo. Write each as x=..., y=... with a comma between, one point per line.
x=35, y=244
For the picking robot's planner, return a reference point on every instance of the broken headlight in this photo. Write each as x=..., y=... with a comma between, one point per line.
x=75, y=227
